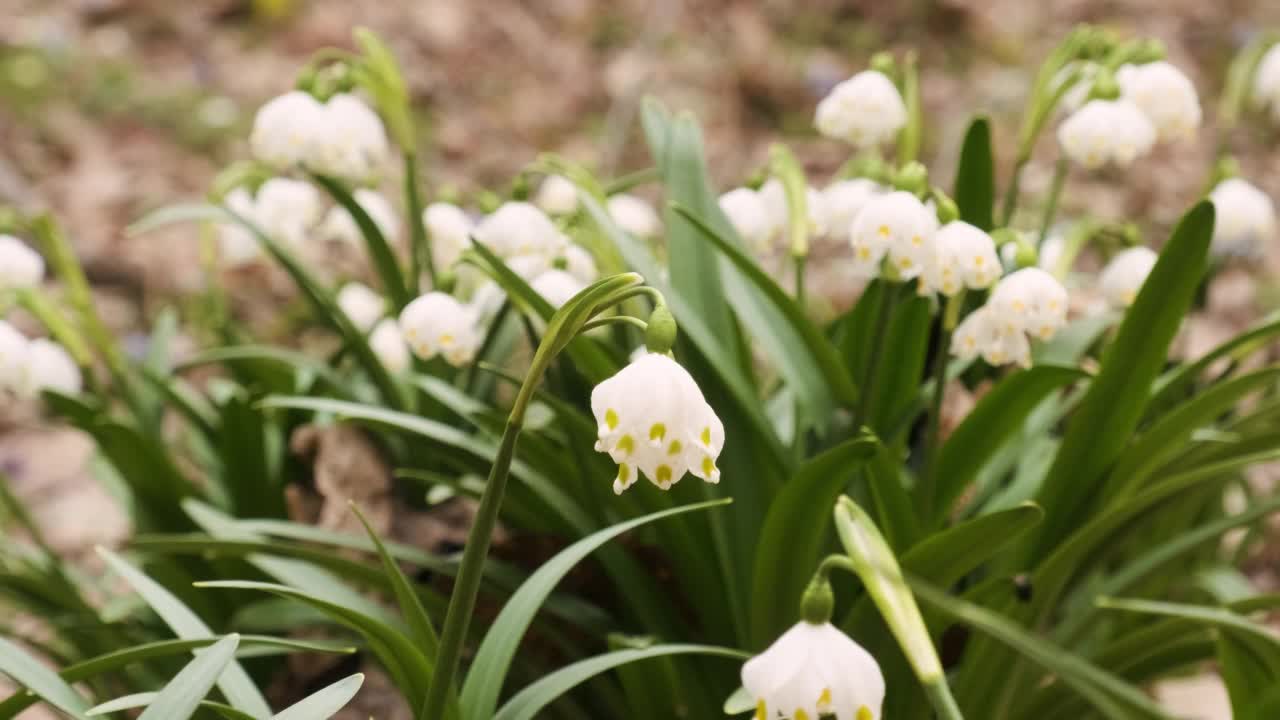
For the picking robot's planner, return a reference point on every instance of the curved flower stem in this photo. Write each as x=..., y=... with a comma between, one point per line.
x=1011, y=193
x=616, y=320
x=420, y=246
x=800, y=267
x=933, y=434
x=1055, y=193
x=944, y=704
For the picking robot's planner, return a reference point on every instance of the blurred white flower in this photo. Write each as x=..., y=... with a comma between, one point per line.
x=486, y=301
x=20, y=266
x=981, y=334
x=286, y=210
x=1106, y=132
x=652, y=419
x=963, y=256
x=1266, y=82
x=287, y=131
x=635, y=215
x=519, y=229
x=353, y=143
x=1245, y=219
x=50, y=367
x=557, y=286
x=843, y=199
x=1050, y=251
x=865, y=111
x=364, y=306
x=580, y=264
x=1078, y=94
x=338, y=225
x=388, y=344
x=897, y=225
x=814, y=671
x=774, y=197
x=1165, y=95
x=449, y=228
x=1124, y=275
x=437, y=324
x=557, y=195
x=13, y=360
x=749, y=216
x=236, y=245
x=1030, y=300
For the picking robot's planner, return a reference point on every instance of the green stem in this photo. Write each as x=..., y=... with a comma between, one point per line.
x=934, y=433
x=1055, y=192
x=800, y=266
x=420, y=247
x=866, y=387
x=616, y=320
x=491, y=337
x=58, y=325
x=1011, y=193
x=944, y=704
x=631, y=180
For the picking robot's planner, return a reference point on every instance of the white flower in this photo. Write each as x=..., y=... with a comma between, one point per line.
x=287, y=130
x=774, y=197
x=842, y=200
x=652, y=418
x=236, y=245
x=13, y=360
x=580, y=264
x=352, y=143
x=437, y=324
x=450, y=231
x=362, y=305
x=388, y=344
x=865, y=111
x=1124, y=275
x=963, y=256
x=20, y=266
x=1245, y=218
x=1029, y=300
x=1106, y=132
x=338, y=224
x=897, y=225
x=286, y=209
x=557, y=195
x=1078, y=94
x=1050, y=251
x=486, y=301
x=981, y=334
x=1165, y=95
x=557, y=286
x=635, y=215
x=814, y=671
x=749, y=216
x=518, y=229
x=1266, y=82
x=50, y=367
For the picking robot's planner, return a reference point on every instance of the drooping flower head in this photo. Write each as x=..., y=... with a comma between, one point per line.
x=963, y=257
x=13, y=360
x=287, y=131
x=749, y=216
x=635, y=215
x=338, y=225
x=450, y=230
x=814, y=671
x=774, y=197
x=1245, y=219
x=437, y=324
x=286, y=210
x=1266, y=82
x=363, y=305
x=980, y=333
x=236, y=245
x=50, y=367
x=20, y=266
x=1165, y=95
x=557, y=195
x=388, y=344
x=352, y=144
x=652, y=419
x=1030, y=300
x=865, y=111
x=557, y=286
x=843, y=200
x=896, y=225
x=518, y=229
x=1103, y=132
x=579, y=262
x=1124, y=275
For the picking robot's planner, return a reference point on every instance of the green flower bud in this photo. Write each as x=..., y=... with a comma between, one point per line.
x=1148, y=50
x=818, y=601
x=947, y=209
x=1105, y=86
x=660, y=336
x=871, y=167
x=912, y=177
x=883, y=62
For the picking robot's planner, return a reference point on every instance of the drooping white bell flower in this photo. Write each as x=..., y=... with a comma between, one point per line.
x=652, y=419
x=580, y=264
x=338, y=225
x=774, y=197
x=981, y=334
x=1266, y=82
x=236, y=245
x=486, y=301
x=287, y=131
x=896, y=225
x=287, y=210
x=843, y=200
x=749, y=216
x=635, y=215
x=557, y=195
x=1165, y=95
x=557, y=286
x=364, y=306
x=14, y=347
x=1029, y=300
x=20, y=266
x=50, y=367
x=518, y=229
x=353, y=142
x=388, y=344
x=865, y=111
x=449, y=228
x=1106, y=132
x=437, y=324
x=1245, y=219
x=814, y=671
x=1124, y=275
x=1078, y=94
x=1050, y=251
x=963, y=257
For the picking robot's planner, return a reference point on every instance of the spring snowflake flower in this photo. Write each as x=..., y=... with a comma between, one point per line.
x=1050, y=251
x=13, y=360
x=50, y=367
x=635, y=215
x=963, y=257
x=236, y=245
x=20, y=266
x=749, y=216
x=1106, y=132
x=557, y=195
x=287, y=131
x=1165, y=95
x=338, y=224
x=1246, y=218
x=1032, y=301
x=896, y=225
x=814, y=671
x=450, y=230
x=580, y=264
x=652, y=419
x=1266, y=82
x=388, y=344
x=352, y=143
x=363, y=306
x=844, y=199
x=518, y=229
x=437, y=324
x=1124, y=275
x=557, y=286
x=486, y=301
x=981, y=334
x=286, y=210
x=774, y=197
x=865, y=111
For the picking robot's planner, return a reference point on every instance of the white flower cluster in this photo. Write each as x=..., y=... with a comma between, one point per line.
x=652, y=419
x=1266, y=82
x=1245, y=219
x=449, y=228
x=438, y=324
x=1157, y=103
x=896, y=226
x=963, y=256
x=761, y=217
x=865, y=111
x=1124, y=275
x=343, y=138
x=1106, y=132
x=1165, y=95
x=531, y=245
x=28, y=367
x=339, y=226
x=362, y=305
x=20, y=266
x=1027, y=302
x=285, y=209
x=557, y=195
x=814, y=671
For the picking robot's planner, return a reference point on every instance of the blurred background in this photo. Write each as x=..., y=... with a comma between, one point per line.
x=109, y=108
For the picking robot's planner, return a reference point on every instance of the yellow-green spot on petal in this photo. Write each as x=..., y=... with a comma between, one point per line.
x=624, y=474
x=706, y=436
x=664, y=473
x=824, y=700
x=800, y=714
x=626, y=444
x=864, y=713
x=762, y=712
x=658, y=432
x=675, y=448
x=708, y=465
x=611, y=419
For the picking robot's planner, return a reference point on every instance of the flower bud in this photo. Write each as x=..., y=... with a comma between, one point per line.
x=660, y=336
x=818, y=600
x=883, y=62
x=947, y=209
x=912, y=177
x=1105, y=86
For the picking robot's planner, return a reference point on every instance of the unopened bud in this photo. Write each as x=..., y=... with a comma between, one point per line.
x=660, y=336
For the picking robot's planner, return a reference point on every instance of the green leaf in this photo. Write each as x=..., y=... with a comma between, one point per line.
x=527, y=703
x=1179, y=381
x=40, y=680
x=1110, y=411
x=234, y=682
x=381, y=255
x=975, y=188
x=179, y=699
x=297, y=361
x=325, y=703
x=493, y=659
